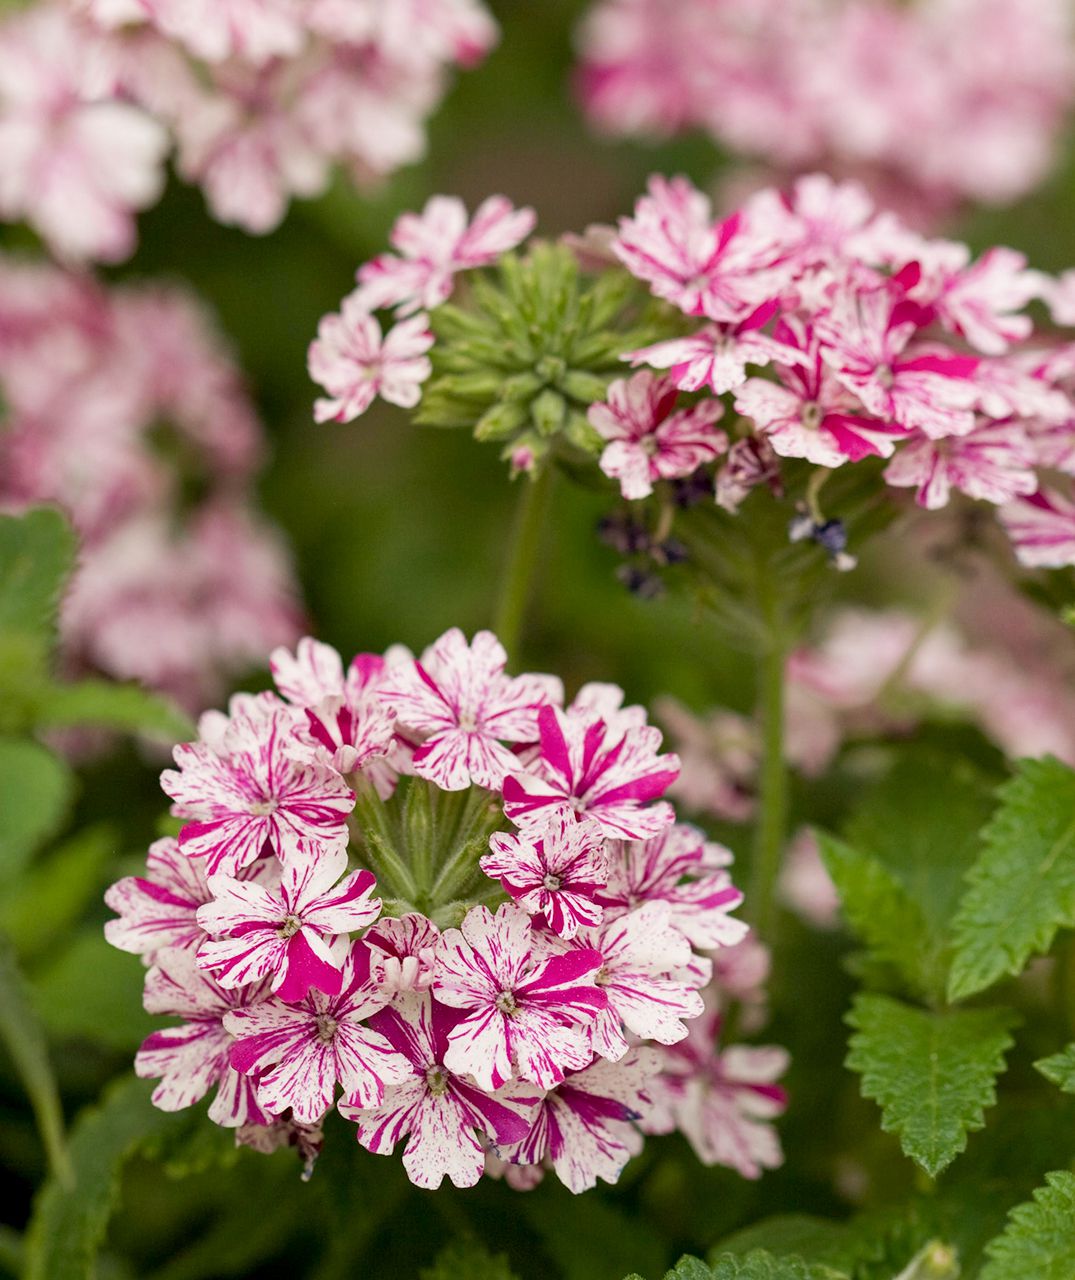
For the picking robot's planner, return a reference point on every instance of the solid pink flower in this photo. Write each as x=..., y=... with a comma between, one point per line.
x=994, y=462
x=448, y=1121
x=348, y=726
x=555, y=873
x=705, y=268
x=685, y=872
x=287, y=933
x=462, y=706
x=717, y=356
x=808, y=414
x=247, y=794
x=586, y=1127
x=434, y=246
x=647, y=440
x=193, y=1057
x=299, y=1052
x=525, y=1013
x=586, y=769
x=865, y=342
x=403, y=952
x=355, y=364
x=159, y=909
x=640, y=954
x=1041, y=527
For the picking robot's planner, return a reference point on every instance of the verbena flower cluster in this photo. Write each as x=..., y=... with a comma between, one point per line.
x=122, y=406
x=259, y=99
x=932, y=102
x=805, y=325
x=430, y=895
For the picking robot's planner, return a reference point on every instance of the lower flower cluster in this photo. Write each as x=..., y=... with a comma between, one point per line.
x=437, y=898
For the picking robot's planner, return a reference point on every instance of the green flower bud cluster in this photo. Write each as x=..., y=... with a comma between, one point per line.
x=531, y=347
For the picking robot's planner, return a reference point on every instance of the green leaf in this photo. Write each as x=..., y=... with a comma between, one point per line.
x=468, y=1260
x=35, y=791
x=37, y=554
x=1022, y=888
x=1039, y=1241
x=126, y=707
x=756, y=1265
x=50, y=898
x=1060, y=1069
x=932, y=1074
x=68, y=1226
x=94, y=992
x=884, y=916
x=24, y=1040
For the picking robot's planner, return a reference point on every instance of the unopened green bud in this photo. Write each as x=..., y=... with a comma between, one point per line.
x=547, y=411
x=502, y=421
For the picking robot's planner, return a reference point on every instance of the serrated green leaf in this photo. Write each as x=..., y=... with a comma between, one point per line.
x=761, y=1265
x=468, y=1260
x=37, y=554
x=35, y=791
x=68, y=1226
x=24, y=1041
x=1022, y=888
x=885, y=916
x=125, y=707
x=1039, y=1241
x=92, y=992
x=932, y=1074
x=1060, y=1069
x=48, y=900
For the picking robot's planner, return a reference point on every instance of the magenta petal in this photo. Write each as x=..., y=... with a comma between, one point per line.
x=306, y=969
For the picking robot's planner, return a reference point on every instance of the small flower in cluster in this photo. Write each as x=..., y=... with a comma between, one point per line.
x=119, y=404
x=260, y=100
x=802, y=86
x=431, y=895
x=808, y=324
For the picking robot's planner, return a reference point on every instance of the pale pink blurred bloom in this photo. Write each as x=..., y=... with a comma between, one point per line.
x=1060, y=296
x=254, y=30
x=805, y=886
x=418, y=32
x=718, y=760
x=740, y=976
x=751, y=462
x=78, y=163
x=648, y=439
x=1041, y=527
x=355, y=363
x=994, y=462
x=434, y=246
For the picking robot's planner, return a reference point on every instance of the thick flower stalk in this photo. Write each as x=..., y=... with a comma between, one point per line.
x=259, y=99
x=801, y=86
x=124, y=407
x=432, y=896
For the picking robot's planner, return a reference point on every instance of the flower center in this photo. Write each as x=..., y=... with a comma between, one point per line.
x=290, y=926
x=506, y=1002
x=650, y=445
x=884, y=375
x=811, y=415
x=436, y=1080
x=262, y=808
x=602, y=977
x=468, y=721
x=326, y=1026
x=551, y=882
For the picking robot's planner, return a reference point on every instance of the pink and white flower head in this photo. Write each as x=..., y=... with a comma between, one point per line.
x=355, y=363
x=288, y=933
x=462, y=707
x=515, y=1039
x=555, y=873
x=434, y=246
x=586, y=769
x=648, y=439
x=525, y=1012
x=448, y=1121
x=300, y=1050
x=247, y=795
x=1041, y=527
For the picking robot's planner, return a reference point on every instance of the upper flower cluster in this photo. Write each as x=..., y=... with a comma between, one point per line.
x=432, y=895
x=259, y=98
x=806, y=86
x=805, y=325
x=123, y=406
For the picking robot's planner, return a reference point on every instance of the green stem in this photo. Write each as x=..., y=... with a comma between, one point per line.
x=771, y=825
x=522, y=557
